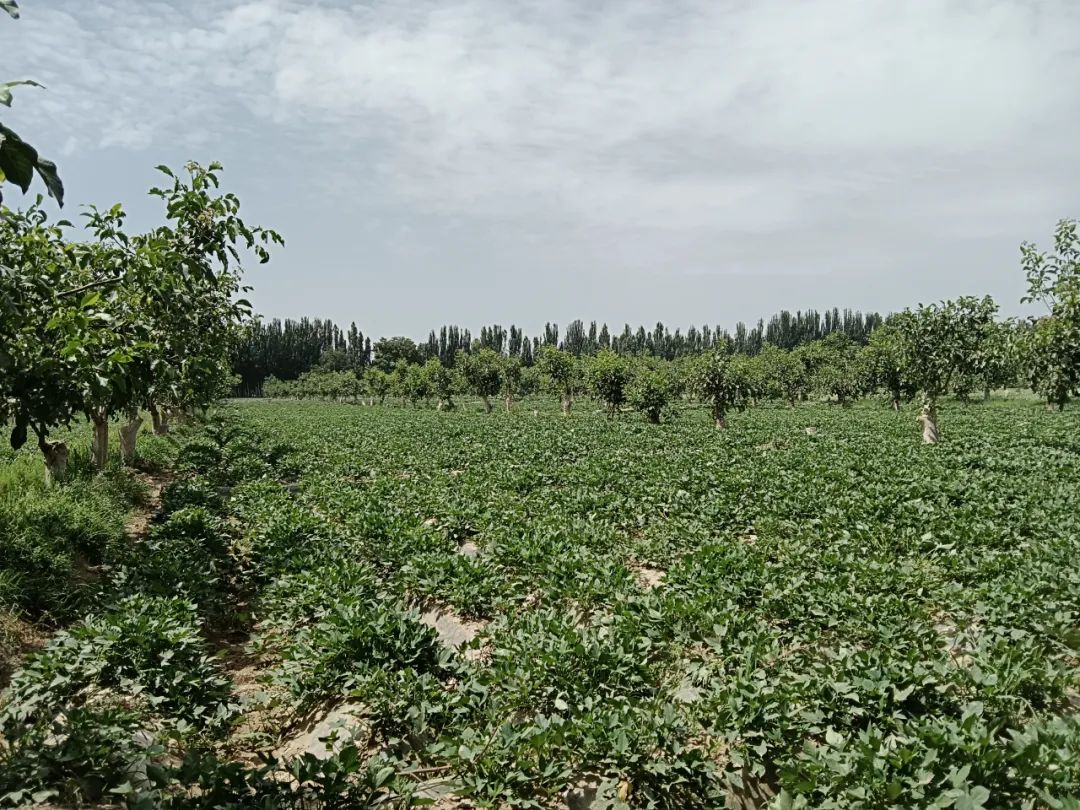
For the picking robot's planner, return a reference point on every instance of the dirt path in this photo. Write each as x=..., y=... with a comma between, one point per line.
x=139, y=520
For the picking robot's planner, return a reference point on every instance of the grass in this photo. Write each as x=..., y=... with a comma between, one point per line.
x=52, y=539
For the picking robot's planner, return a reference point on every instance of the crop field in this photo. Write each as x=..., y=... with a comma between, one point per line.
x=809, y=609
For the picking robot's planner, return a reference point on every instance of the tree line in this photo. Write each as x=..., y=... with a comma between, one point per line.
x=286, y=349
x=957, y=347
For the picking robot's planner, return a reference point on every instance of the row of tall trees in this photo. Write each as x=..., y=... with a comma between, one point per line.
x=118, y=324
x=957, y=347
x=287, y=349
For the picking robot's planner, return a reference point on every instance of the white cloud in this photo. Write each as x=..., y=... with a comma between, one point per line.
x=739, y=133
x=677, y=114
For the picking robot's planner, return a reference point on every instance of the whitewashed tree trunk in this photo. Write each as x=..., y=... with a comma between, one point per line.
x=567, y=403
x=508, y=402
x=129, y=434
x=487, y=404
x=100, y=443
x=56, y=460
x=928, y=419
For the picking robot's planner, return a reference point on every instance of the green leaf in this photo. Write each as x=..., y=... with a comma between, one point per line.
x=46, y=170
x=383, y=776
x=974, y=799
x=12, y=8
x=5, y=89
x=17, y=159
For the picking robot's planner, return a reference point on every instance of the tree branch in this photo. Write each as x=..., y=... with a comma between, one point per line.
x=101, y=282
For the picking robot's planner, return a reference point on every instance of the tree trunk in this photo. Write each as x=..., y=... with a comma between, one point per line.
x=654, y=417
x=986, y=394
x=928, y=419
x=160, y=420
x=56, y=460
x=129, y=435
x=791, y=404
x=721, y=419
x=896, y=403
x=100, y=443
x=508, y=401
x=487, y=404
x=567, y=403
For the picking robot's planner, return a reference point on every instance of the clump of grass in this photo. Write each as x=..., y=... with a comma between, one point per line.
x=52, y=538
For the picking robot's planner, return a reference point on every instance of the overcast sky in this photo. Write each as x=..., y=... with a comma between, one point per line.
x=481, y=161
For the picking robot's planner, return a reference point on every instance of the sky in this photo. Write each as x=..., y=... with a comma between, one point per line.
x=501, y=161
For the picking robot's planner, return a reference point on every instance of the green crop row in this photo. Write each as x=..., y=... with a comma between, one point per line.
x=810, y=609
x=846, y=617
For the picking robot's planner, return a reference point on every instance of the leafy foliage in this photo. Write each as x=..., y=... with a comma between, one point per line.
x=609, y=375
x=483, y=372
x=650, y=391
x=726, y=382
x=1052, y=347
x=121, y=322
x=562, y=373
